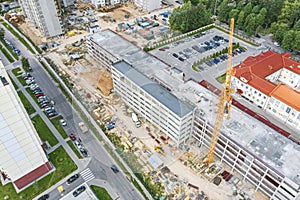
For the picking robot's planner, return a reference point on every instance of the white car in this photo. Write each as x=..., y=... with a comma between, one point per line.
x=78, y=145
x=63, y=122
x=276, y=44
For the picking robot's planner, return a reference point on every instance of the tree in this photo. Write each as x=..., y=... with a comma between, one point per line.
x=255, y=9
x=278, y=30
x=250, y=24
x=296, y=42
x=224, y=10
x=288, y=39
x=248, y=9
x=297, y=26
x=234, y=13
x=240, y=20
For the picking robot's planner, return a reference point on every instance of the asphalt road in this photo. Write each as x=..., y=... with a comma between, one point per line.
x=100, y=161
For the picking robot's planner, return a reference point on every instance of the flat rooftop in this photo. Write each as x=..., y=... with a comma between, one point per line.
x=20, y=146
x=123, y=49
x=176, y=105
x=270, y=146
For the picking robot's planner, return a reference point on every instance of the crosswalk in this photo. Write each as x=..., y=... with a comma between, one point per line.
x=87, y=175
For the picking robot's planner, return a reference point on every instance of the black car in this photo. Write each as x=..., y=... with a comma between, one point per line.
x=78, y=191
x=72, y=178
x=114, y=168
x=175, y=55
x=44, y=197
x=84, y=152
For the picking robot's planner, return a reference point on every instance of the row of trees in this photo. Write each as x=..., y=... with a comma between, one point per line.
x=279, y=17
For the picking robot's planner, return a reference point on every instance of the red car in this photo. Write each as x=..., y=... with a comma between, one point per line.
x=39, y=95
x=52, y=115
x=72, y=137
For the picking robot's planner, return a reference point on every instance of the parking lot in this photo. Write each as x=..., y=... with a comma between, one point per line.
x=87, y=194
x=182, y=54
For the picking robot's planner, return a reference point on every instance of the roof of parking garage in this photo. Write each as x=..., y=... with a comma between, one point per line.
x=123, y=49
x=263, y=142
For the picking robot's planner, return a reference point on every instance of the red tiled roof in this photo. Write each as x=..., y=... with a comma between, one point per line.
x=33, y=175
x=255, y=69
x=287, y=95
x=262, y=85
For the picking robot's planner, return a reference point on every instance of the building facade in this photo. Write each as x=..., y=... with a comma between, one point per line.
x=23, y=159
x=271, y=81
x=271, y=182
x=148, y=5
x=153, y=103
x=102, y=3
x=45, y=16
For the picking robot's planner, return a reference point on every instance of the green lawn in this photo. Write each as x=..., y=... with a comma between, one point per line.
x=64, y=166
x=29, y=108
x=21, y=80
x=6, y=54
x=222, y=78
x=72, y=146
x=59, y=127
x=100, y=193
x=43, y=130
x=16, y=71
x=13, y=82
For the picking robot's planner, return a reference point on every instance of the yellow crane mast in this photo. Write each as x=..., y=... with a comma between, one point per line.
x=224, y=104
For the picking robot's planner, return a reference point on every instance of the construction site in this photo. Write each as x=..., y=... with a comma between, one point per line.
x=252, y=161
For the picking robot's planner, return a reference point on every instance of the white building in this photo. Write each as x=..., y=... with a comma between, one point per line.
x=45, y=16
x=102, y=3
x=68, y=3
x=148, y=5
x=261, y=80
x=153, y=103
x=23, y=159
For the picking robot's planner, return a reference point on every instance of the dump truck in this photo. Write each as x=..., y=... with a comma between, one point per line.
x=83, y=127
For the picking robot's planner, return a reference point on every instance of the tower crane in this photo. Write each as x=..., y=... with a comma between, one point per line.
x=224, y=104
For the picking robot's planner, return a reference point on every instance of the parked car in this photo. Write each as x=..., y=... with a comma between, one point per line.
x=63, y=122
x=44, y=197
x=175, y=55
x=72, y=137
x=39, y=95
x=47, y=108
x=78, y=191
x=84, y=152
x=78, y=145
x=52, y=115
x=72, y=179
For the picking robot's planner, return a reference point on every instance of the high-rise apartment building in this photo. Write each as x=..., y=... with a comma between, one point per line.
x=22, y=158
x=45, y=16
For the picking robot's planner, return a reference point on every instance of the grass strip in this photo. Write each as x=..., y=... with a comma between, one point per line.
x=75, y=150
x=222, y=78
x=100, y=193
x=28, y=107
x=21, y=80
x=13, y=82
x=10, y=50
x=43, y=130
x=32, y=95
x=64, y=166
x=6, y=54
x=16, y=71
x=59, y=127
x=21, y=39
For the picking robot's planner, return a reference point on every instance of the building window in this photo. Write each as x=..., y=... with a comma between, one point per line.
x=274, y=111
x=259, y=94
x=255, y=92
x=288, y=109
x=265, y=97
x=298, y=117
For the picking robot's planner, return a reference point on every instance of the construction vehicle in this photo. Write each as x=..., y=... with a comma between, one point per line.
x=159, y=149
x=83, y=127
x=224, y=104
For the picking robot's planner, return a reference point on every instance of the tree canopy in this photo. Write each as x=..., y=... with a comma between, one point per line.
x=280, y=17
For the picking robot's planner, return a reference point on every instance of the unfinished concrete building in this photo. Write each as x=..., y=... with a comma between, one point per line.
x=258, y=153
